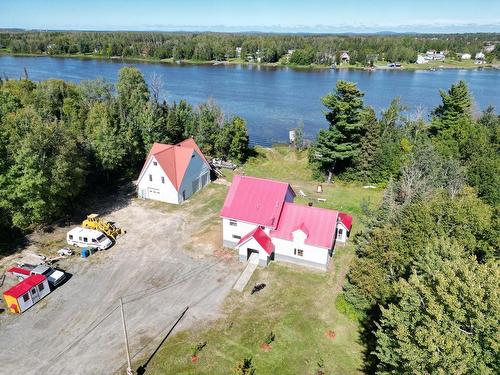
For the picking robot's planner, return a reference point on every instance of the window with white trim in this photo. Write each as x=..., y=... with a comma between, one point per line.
x=298, y=252
x=155, y=163
x=341, y=232
x=236, y=237
x=150, y=177
x=162, y=180
x=233, y=223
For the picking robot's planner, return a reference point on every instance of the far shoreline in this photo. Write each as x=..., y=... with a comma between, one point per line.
x=170, y=61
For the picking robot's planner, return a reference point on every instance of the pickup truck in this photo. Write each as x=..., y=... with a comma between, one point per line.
x=55, y=277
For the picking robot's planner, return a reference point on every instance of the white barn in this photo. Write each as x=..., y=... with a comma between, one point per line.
x=173, y=173
x=259, y=216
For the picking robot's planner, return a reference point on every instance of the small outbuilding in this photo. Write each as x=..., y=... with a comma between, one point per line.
x=173, y=173
x=26, y=293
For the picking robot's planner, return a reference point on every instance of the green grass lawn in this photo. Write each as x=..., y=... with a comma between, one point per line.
x=297, y=305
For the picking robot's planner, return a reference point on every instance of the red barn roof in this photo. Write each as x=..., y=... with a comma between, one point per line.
x=256, y=200
x=319, y=224
x=19, y=270
x=262, y=239
x=346, y=220
x=24, y=286
x=174, y=159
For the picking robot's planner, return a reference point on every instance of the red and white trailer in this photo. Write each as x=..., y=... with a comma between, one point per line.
x=26, y=293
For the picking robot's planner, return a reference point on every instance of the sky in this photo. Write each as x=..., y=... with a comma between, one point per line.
x=254, y=15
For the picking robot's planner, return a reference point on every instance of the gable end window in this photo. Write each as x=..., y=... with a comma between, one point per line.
x=155, y=163
x=233, y=223
x=341, y=232
x=150, y=177
x=163, y=180
x=298, y=252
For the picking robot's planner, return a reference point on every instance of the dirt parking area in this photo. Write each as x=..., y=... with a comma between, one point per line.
x=77, y=328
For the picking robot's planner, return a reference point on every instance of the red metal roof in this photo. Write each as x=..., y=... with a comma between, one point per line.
x=24, y=286
x=346, y=220
x=19, y=270
x=319, y=224
x=256, y=200
x=262, y=239
x=174, y=159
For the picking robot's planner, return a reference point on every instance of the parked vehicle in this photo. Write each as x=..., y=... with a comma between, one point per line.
x=55, y=277
x=84, y=237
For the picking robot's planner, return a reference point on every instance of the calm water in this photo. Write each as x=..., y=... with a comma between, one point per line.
x=271, y=100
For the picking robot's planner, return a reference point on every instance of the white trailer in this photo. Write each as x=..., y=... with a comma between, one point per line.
x=84, y=237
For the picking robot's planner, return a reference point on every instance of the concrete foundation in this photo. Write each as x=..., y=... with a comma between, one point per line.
x=300, y=262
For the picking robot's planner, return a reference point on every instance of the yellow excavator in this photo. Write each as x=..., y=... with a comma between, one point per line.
x=93, y=221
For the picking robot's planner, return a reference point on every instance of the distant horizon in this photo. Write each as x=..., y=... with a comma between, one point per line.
x=278, y=16
x=487, y=29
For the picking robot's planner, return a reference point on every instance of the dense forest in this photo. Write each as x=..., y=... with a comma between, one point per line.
x=266, y=48
x=58, y=140
x=425, y=283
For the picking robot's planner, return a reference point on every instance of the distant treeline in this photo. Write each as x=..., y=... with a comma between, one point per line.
x=266, y=48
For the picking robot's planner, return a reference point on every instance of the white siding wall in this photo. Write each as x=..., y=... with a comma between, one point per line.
x=155, y=189
x=196, y=169
x=341, y=237
x=311, y=253
x=252, y=244
x=241, y=229
x=26, y=305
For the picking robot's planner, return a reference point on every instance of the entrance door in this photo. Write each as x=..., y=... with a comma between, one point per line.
x=35, y=297
x=252, y=251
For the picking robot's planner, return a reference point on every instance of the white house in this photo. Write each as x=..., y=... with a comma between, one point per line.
x=259, y=216
x=480, y=58
x=465, y=56
x=433, y=55
x=344, y=57
x=173, y=173
x=421, y=60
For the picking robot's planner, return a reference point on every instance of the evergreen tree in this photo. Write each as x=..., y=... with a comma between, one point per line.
x=239, y=143
x=299, y=136
x=369, y=145
x=446, y=317
x=337, y=146
x=457, y=104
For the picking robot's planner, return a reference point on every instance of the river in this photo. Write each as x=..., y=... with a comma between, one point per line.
x=272, y=100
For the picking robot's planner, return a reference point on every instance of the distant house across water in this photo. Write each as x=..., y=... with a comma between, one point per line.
x=480, y=58
x=421, y=60
x=433, y=55
x=344, y=57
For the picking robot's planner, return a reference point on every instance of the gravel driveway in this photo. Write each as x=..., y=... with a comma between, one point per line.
x=77, y=328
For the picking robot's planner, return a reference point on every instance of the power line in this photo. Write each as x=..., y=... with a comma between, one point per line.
x=146, y=293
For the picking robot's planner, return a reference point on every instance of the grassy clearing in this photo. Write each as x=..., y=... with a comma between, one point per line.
x=284, y=164
x=297, y=305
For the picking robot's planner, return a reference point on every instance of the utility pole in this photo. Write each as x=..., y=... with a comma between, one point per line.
x=129, y=365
